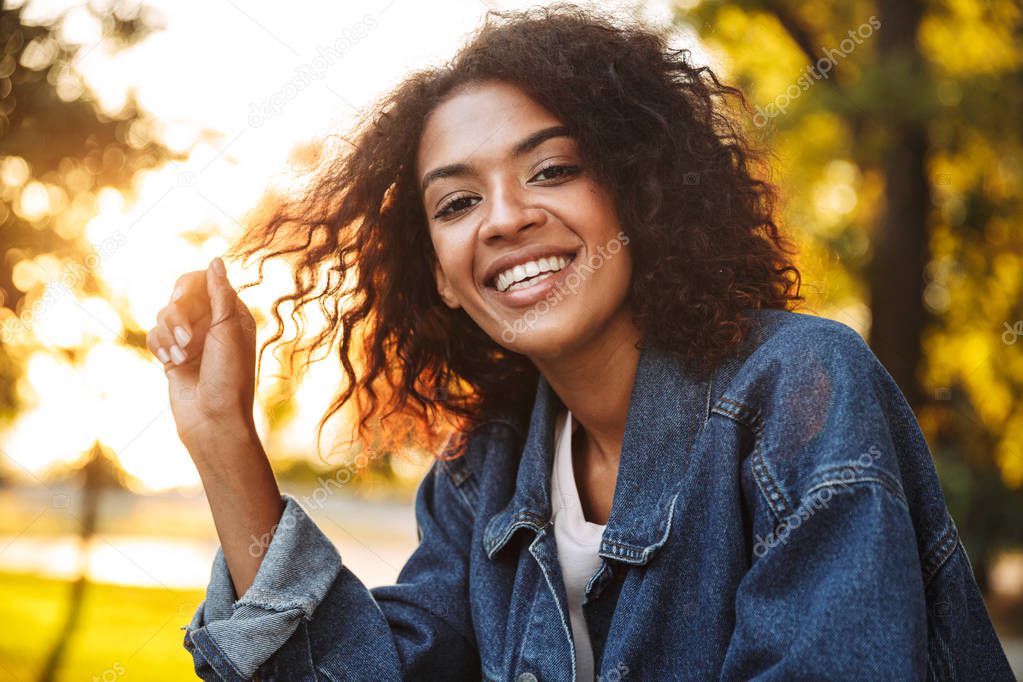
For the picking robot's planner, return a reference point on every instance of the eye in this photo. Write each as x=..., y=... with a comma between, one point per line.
x=461, y=202
x=454, y=205
x=555, y=171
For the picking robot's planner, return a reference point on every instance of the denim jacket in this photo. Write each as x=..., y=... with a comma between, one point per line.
x=779, y=520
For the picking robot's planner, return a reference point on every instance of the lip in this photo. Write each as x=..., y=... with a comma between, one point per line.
x=523, y=298
x=523, y=255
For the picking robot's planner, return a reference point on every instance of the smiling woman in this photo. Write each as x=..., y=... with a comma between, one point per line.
x=556, y=252
x=522, y=200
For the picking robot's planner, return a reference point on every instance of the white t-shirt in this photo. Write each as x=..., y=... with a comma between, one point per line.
x=577, y=541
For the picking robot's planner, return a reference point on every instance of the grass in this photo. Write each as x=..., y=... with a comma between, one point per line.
x=123, y=632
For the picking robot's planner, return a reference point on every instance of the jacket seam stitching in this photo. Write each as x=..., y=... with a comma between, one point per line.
x=764, y=479
x=939, y=554
x=457, y=487
x=766, y=484
x=861, y=480
x=309, y=650
x=264, y=599
x=740, y=412
x=562, y=616
x=208, y=640
x=466, y=501
x=525, y=638
x=894, y=490
x=524, y=519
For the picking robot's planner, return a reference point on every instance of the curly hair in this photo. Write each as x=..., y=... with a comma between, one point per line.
x=655, y=129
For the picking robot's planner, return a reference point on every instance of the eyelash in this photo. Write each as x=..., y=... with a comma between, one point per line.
x=566, y=170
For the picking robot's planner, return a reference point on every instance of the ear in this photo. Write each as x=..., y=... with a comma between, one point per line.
x=444, y=287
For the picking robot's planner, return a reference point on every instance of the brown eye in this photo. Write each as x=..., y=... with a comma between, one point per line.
x=458, y=203
x=555, y=171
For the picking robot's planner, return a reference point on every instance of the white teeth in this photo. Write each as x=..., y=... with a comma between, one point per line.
x=526, y=274
x=529, y=283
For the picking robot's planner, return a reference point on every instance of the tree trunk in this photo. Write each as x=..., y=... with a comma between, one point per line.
x=900, y=246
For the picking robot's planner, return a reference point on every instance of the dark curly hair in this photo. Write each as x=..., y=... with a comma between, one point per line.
x=653, y=128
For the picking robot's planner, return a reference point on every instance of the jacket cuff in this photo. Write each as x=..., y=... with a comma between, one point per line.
x=233, y=637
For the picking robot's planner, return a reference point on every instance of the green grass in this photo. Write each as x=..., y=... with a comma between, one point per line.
x=123, y=633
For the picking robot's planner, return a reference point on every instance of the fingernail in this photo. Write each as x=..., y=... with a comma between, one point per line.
x=181, y=335
x=218, y=266
x=162, y=354
x=178, y=293
x=177, y=355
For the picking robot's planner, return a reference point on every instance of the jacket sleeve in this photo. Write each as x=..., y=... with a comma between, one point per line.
x=307, y=616
x=850, y=532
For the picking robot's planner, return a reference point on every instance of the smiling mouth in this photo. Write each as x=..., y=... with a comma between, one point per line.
x=530, y=274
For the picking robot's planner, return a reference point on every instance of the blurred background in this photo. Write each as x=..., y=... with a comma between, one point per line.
x=137, y=138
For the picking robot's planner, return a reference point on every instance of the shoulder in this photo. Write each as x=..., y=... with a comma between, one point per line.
x=795, y=358
x=786, y=337
x=820, y=405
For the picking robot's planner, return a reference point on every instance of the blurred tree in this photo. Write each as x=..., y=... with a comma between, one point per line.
x=58, y=148
x=897, y=128
x=98, y=472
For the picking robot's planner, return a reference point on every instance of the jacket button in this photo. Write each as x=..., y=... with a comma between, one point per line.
x=526, y=677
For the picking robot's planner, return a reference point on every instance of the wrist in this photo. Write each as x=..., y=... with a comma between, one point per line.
x=226, y=445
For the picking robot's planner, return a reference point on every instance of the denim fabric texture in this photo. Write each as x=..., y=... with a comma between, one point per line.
x=780, y=520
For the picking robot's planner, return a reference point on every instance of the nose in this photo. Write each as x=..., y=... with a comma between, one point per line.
x=508, y=210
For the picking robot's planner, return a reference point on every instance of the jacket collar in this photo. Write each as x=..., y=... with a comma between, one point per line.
x=667, y=410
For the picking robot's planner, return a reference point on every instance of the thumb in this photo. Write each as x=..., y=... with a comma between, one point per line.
x=222, y=295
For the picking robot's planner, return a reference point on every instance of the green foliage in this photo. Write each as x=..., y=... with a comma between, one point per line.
x=961, y=82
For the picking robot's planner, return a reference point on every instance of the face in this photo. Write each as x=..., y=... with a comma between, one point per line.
x=527, y=240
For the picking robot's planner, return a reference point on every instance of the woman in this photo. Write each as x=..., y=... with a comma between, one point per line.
x=658, y=469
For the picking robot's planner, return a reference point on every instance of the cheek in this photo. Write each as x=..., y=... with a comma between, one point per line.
x=455, y=257
x=595, y=213
x=619, y=270
x=617, y=266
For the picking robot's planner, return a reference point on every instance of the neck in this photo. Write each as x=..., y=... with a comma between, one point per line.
x=595, y=383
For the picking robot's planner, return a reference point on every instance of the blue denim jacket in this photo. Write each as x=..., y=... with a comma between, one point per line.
x=781, y=520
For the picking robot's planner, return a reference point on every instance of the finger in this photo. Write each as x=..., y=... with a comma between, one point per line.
x=223, y=298
x=188, y=367
x=176, y=320
x=175, y=333
x=200, y=330
x=189, y=285
x=164, y=336
x=153, y=343
x=190, y=294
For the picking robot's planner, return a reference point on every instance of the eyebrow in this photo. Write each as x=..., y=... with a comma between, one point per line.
x=525, y=145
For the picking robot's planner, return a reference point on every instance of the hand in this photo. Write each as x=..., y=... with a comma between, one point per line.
x=206, y=339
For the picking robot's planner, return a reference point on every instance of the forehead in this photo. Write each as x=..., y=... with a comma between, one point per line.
x=478, y=121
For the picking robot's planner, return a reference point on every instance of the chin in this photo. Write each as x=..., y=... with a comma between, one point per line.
x=538, y=341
